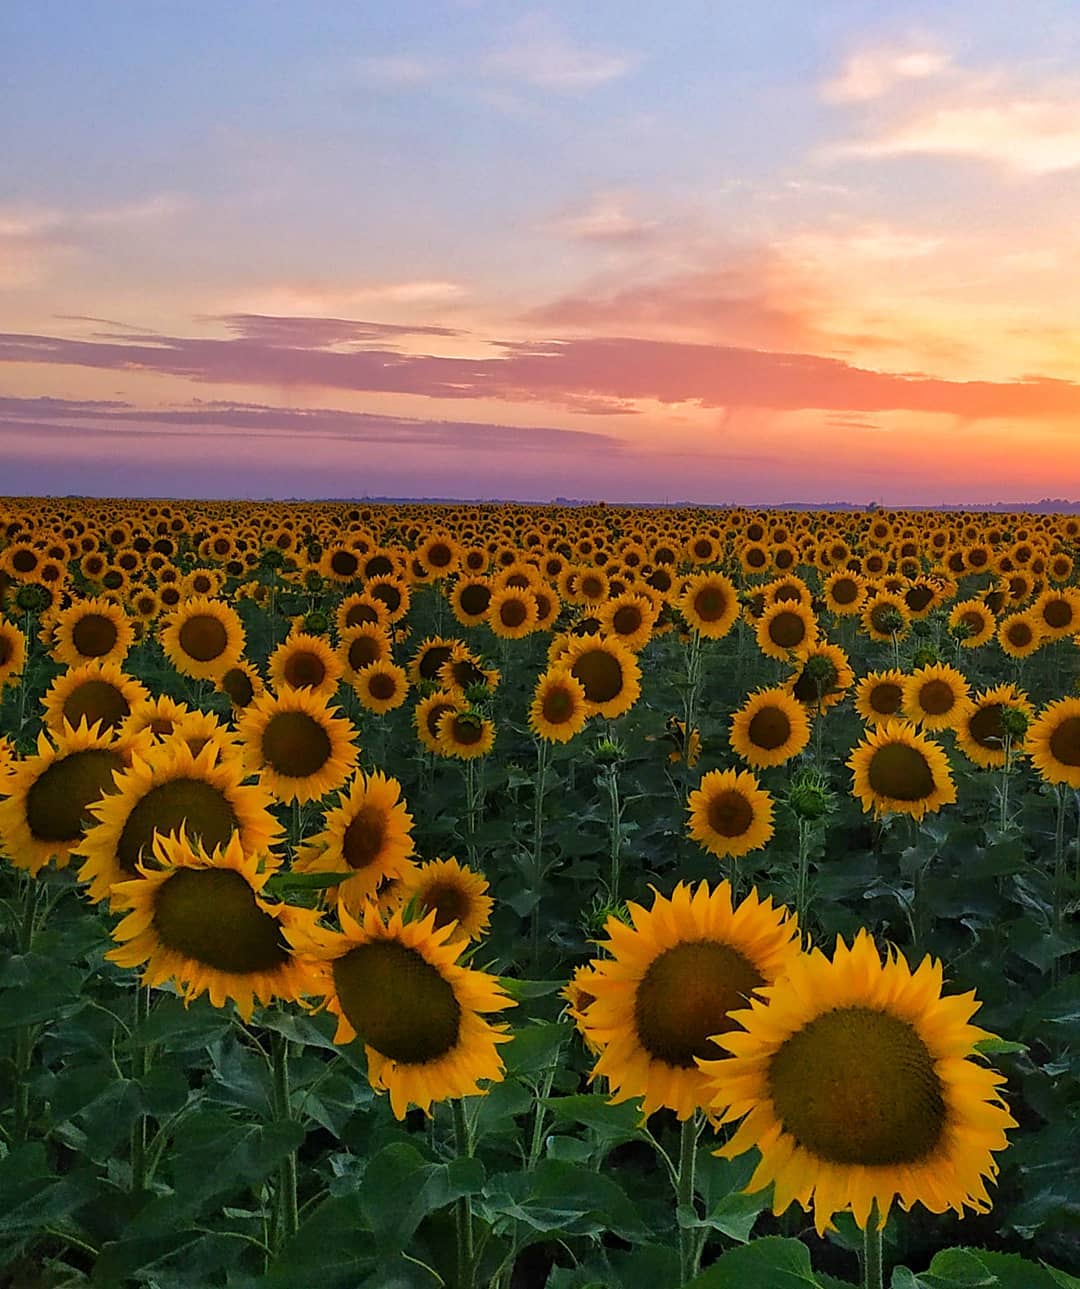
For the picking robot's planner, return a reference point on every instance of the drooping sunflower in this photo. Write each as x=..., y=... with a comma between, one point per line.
x=397, y=986
x=559, y=710
x=1053, y=742
x=666, y=993
x=203, y=637
x=427, y=714
x=980, y=734
x=858, y=1086
x=95, y=630
x=198, y=919
x=381, y=686
x=709, y=603
x=455, y=894
x=48, y=796
x=977, y=620
x=770, y=728
x=1020, y=635
x=730, y=813
x=463, y=669
x=12, y=653
x=608, y=671
x=299, y=748
x=95, y=692
x=936, y=696
x=242, y=683
x=368, y=835
x=823, y=678
x=170, y=790
x=879, y=695
x=784, y=628
x=465, y=735
x=305, y=661
x=899, y=770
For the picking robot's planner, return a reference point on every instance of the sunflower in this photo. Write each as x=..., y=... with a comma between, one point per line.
x=629, y=618
x=784, y=628
x=823, y=678
x=398, y=987
x=361, y=610
x=203, y=637
x=305, y=661
x=879, y=695
x=1058, y=612
x=465, y=735
x=469, y=600
x=367, y=835
x=158, y=716
x=455, y=894
x=559, y=710
x=429, y=657
x=203, y=729
x=95, y=692
x=361, y=646
x=1020, y=635
x=12, y=653
x=167, y=791
x=392, y=593
x=858, y=1087
x=935, y=696
x=898, y=770
x=381, y=686
x=980, y=734
x=94, y=630
x=242, y=683
x=427, y=714
x=608, y=671
x=463, y=669
x=709, y=604
x=299, y=748
x=578, y=996
x=198, y=919
x=976, y=618
x=845, y=593
x=666, y=993
x=886, y=615
x=770, y=728
x=730, y=813
x=339, y=564
x=439, y=555
x=1053, y=742
x=48, y=796
x=512, y=613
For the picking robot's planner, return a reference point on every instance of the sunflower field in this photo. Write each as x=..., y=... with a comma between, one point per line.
x=505, y=896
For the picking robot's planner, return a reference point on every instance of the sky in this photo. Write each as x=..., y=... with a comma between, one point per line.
x=700, y=251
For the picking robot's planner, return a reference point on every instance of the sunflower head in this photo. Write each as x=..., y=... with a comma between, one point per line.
x=898, y=770
x=730, y=813
x=455, y=894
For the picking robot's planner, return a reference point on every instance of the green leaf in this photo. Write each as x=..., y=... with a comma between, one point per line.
x=769, y=1263
x=612, y=1123
x=565, y=1198
x=995, y=1046
x=284, y=883
x=302, y=1029
x=535, y=1048
x=962, y=1268
x=332, y=1248
x=525, y=989
x=400, y=1188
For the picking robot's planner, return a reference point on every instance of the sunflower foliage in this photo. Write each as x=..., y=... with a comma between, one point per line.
x=409, y=895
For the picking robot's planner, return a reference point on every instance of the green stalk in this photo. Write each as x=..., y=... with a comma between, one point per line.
x=466, y=1256
x=873, y=1271
x=1059, y=869
x=615, y=831
x=1003, y=818
x=693, y=680
x=684, y=1196
x=24, y=1034
x=802, y=877
x=140, y=1064
x=538, y=847
x=290, y=1219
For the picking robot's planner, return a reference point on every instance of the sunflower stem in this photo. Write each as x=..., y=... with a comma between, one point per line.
x=684, y=1196
x=693, y=680
x=1059, y=868
x=802, y=877
x=290, y=1219
x=538, y=849
x=615, y=832
x=140, y=1065
x=873, y=1272
x=466, y=1261
x=1003, y=818
x=24, y=1034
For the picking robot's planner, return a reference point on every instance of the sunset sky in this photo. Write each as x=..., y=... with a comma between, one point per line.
x=697, y=251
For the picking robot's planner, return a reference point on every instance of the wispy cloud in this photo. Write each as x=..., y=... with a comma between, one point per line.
x=871, y=73
x=539, y=52
x=607, y=217
x=389, y=71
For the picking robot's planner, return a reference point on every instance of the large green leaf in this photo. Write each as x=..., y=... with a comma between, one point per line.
x=770, y=1263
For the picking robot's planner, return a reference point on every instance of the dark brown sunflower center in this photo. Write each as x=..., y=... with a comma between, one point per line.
x=94, y=635
x=1020, y=634
x=57, y=800
x=730, y=814
x=203, y=638
x=710, y=604
x=1065, y=741
x=24, y=561
x=475, y=599
x=465, y=731
x=886, y=698
x=304, y=669
x=361, y=615
x=973, y=620
x=344, y=563
x=96, y=700
x=434, y=714
x=601, y=675
x=237, y=684
x=936, y=697
x=210, y=915
x=362, y=651
x=1057, y=614
x=382, y=687
x=703, y=548
x=558, y=706
x=197, y=806
x=858, y=1086
x=901, y=772
x=985, y=727
x=512, y=613
x=295, y=744
x=626, y=620
x=845, y=590
x=379, y=566
x=389, y=594
x=397, y=1002
x=685, y=997
x=817, y=682
x=787, y=630
x=756, y=557
x=439, y=555
x=769, y=728
x=364, y=838
x=432, y=659
x=7, y=649
x=918, y=598
x=450, y=902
